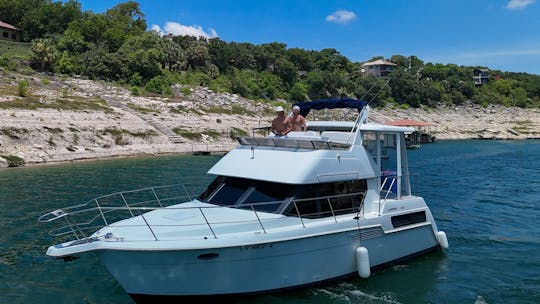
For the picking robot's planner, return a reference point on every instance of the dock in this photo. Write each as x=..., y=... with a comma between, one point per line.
x=211, y=149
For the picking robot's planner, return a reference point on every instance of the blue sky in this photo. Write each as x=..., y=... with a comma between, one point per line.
x=499, y=34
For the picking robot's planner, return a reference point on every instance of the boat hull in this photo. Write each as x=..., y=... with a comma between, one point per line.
x=260, y=268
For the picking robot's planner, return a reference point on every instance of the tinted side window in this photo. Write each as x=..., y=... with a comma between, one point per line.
x=242, y=193
x=322, y=200
x=408, y=219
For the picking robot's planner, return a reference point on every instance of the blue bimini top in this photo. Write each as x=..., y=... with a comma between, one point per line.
x=340, y=103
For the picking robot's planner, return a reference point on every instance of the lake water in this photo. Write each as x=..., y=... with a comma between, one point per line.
x=484, y=194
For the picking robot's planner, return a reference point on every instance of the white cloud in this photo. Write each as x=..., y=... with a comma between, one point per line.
x=341, y=16
x=178, y=29
x=519, y=4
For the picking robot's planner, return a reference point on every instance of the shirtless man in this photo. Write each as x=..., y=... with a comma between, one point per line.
x=298, y=122
x=281, y=125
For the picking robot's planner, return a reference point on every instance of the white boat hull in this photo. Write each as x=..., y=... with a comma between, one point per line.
x=262, y=267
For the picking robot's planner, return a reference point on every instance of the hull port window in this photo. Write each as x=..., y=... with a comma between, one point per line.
x=408, y=219
x=310, y=201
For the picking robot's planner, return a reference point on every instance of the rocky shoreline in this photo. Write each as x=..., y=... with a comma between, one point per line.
x=76, y=119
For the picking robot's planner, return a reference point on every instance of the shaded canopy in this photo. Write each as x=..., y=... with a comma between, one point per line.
x=340, y=103
x=408, y=123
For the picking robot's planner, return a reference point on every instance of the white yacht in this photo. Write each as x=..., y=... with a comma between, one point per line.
x=329, y=203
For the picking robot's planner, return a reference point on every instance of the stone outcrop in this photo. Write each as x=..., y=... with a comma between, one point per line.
x=82, y=119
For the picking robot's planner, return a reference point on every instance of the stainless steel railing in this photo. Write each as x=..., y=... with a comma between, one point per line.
x=84, y=219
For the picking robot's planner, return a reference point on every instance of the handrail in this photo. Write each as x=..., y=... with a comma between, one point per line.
x=96, y=214
x=295, y=143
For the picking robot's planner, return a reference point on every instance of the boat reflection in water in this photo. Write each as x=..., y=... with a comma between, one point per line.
x=281, y=213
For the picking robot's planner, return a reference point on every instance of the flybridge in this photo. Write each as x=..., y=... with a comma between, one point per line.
x=321, y=136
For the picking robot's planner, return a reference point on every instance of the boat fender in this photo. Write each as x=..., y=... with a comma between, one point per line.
x=362, y=261
x=441, y=238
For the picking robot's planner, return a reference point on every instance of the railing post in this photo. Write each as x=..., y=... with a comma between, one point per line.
x=207, y=223
x=331, y=209
x=258, y=219
x=149, y=228
x=127, y=205
x=298, y=212
x=73, y=230
x=187, y=193
x=101, y=212
x=157, y=199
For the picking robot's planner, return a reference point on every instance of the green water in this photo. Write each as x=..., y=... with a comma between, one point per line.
x=484, y=194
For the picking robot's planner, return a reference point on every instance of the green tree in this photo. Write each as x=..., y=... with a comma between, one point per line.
x=299, y=91
x=174, y=58
x=39, y=18
x=286, y=70
x=142, y=54
x=405, y=88
x=73, y=42
x=197, y=54
x=123, y=21
x=301, y=58
x=91, y=27
x=220, y=54
x=43, y=54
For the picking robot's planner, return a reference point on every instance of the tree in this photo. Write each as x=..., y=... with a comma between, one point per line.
x=142, y=54
x=197, y=54
x=91, y=27
x=299, y=91
x=124, y=20
x=212, y=71
x=301, y=58
x=220, y=54
x=286, y=70
x=400, y=60
x=39, y=18
x=174, y=58
x=43, y=54
x=331, y=60
x=73, y=42
x=405, y=88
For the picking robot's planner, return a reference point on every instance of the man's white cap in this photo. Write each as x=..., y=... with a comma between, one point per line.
x=296, y=108
x=279, y=109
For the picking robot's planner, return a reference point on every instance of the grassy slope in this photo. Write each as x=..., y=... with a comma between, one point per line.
x=14, y=49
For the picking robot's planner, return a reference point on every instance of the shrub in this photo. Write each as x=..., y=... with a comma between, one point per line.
x=159, y=85
x=135, y=90
x=236, y=132
x=186, y=91
x=4, y=60
x=187, y=134
x=13, y=160
x=23, y=88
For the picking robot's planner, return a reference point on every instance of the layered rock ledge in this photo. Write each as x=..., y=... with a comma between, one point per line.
x=73, y=119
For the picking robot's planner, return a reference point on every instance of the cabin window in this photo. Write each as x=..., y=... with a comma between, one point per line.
x=5, y=35
x=14, y=36
x=327, y=199
x=369, y=141
x=312, y=200
x=242, y=193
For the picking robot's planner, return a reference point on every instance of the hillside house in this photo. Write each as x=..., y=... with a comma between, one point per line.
x=378, y=68
x=480, y=76
x=9, y=32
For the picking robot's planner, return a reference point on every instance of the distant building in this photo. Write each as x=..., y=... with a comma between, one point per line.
x=480, y=76
x=9, y=32
x=378, y=68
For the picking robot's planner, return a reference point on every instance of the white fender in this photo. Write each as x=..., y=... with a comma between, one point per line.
x=362, y=262
x=441, y=238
